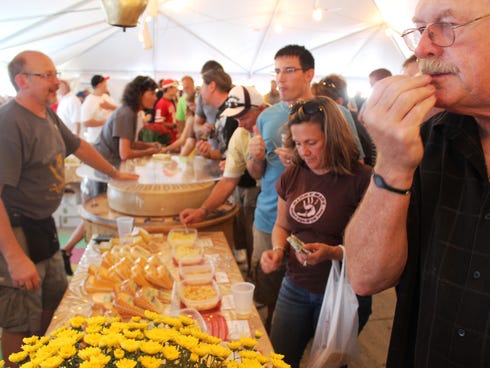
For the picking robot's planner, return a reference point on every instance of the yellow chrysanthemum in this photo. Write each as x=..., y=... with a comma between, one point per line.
x=231, y=364
x=187, y=320
x=2, y=363
x=172, y=321
x=158, y=334
x=131, y=334
x=258, y=334
x=279, y=363
x=130, y=345
x=150, y=347
x=234, y=345
x=126, y=363
x=119, y=353
x=98, y=320
x=86, y=353
x=52, y=362
x=248, y=342
x=77, y=321
x=150, y=362
x=18, y=357
x=100, y=359
x=250, y=363
x=91, y=329
x=187, y=342
x=249, y=354
x=28, y=365
x=30, y=340
x=170, y=352
x=67, y=351
x=92, y=339
x=277, y=356
x=219, y=351
x=110, y=340
x=194, y=357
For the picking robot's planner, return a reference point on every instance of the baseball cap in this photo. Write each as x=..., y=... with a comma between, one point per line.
x=169, y=83
x=240, y=100
x=97, y=79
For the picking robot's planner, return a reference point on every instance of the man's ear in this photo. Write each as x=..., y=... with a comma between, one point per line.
x=21, y=81
x=310, y=73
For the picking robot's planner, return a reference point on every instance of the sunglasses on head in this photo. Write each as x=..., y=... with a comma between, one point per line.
x=308, y=107
x=327, y=82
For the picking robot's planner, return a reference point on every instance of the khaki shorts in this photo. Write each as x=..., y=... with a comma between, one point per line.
x=21, y=310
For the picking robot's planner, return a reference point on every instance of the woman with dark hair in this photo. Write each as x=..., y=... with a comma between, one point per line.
x=118, y=139
x=117, y=142
x=316, y=197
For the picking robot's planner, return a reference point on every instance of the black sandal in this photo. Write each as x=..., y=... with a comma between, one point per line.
x=66, y=261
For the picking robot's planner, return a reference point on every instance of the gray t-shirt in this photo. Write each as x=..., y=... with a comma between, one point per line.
x=121, y=124
x=207, y=112
x=32, y=153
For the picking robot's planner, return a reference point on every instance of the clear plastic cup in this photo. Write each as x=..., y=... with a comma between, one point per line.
x=243, y=296
x=124, y=227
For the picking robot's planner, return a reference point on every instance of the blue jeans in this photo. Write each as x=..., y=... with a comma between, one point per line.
x=295, y=319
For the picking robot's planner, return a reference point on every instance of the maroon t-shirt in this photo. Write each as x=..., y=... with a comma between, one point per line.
x=319, y=208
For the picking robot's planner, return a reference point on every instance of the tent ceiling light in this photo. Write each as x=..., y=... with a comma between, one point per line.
x=124, y=13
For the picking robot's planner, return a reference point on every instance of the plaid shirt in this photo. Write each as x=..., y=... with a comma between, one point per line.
x=443, y=310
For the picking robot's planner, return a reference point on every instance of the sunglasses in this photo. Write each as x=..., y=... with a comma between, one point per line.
x=306, y=107
x=327, y=82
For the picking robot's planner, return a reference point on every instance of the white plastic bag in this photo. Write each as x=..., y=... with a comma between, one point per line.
x=335, y=343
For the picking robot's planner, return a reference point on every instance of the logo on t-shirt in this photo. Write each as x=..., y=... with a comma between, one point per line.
x=308, y=207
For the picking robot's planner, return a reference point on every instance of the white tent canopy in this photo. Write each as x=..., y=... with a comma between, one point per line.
x=352, y=38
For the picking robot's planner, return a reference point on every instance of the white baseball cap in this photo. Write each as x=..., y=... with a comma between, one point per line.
x=240, y=100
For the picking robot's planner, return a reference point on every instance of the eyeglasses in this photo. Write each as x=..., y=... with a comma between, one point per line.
x=48, y=75
x=287, y=70
x=308, y=107
x=440, y=33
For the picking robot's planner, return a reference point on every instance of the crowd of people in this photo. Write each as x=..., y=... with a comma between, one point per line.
x=402, y=181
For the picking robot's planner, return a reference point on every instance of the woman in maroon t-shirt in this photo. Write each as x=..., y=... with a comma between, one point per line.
x=317, y=195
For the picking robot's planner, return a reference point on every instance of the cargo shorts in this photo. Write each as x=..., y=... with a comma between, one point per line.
x=21, y=310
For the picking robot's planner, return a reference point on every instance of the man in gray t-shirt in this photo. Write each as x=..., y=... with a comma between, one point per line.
x=33, y=144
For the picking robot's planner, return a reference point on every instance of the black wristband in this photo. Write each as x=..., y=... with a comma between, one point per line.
x=380, y=182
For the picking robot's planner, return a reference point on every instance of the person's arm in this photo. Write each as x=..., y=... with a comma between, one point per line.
x=270, y=260
x=218, y=196
x=256, y=155
x=91, y=123
x=22, y=270
x=89, y=155
x=376, y=237
x=126, y=150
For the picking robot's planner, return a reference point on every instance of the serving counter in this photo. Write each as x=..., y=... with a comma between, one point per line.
x=166, y=185
x=77, y=301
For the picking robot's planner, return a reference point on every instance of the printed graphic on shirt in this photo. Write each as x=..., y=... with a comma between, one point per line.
x=308, y=207
x=58, y=172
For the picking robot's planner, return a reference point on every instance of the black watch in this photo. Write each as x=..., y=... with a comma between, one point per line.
x=381, y=183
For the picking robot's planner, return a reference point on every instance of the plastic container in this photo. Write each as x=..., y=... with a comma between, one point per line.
x=200, y=296
x=202, y=273
x=187, y=254
x=182, y=236
x=196, y=316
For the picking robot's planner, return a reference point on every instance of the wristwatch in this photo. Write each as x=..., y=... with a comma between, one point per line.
x=380, y=182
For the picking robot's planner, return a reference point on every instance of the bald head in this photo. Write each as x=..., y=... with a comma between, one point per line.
x=28, y=61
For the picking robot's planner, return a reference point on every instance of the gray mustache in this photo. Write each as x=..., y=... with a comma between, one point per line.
x=436, y=67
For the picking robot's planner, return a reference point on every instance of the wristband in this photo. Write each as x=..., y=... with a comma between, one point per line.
x=380, y=182
x=206, y=211
x=279, y=248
